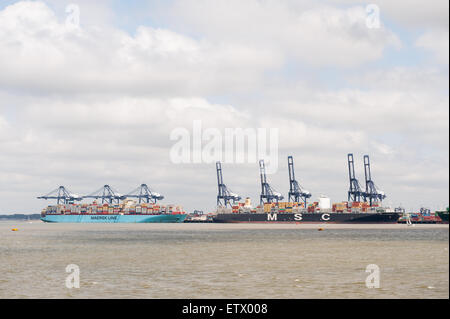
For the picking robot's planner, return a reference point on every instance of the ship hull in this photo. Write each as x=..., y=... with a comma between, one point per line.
x=163, y=218
x=336, y=218
x=443, y=216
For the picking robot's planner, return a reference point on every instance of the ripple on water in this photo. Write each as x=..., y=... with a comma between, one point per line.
x=221, y=261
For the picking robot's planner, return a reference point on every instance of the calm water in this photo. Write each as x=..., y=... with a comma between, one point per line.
x=222, y=261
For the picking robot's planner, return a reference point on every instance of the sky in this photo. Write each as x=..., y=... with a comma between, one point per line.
x=91, y=92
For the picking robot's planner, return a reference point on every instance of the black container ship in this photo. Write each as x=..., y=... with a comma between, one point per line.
x=363, y=205
x=284, y=213
x=314, y=218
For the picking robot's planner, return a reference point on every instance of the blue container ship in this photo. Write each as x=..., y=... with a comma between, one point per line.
x=114, y=208
x=126, y=212
x=162, y=218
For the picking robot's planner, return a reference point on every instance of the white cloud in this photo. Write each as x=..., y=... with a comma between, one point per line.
x=94, y=105
x=4, y=128
x=317, y=35
x=52, y=57
x=437, y=42
x=407, y=79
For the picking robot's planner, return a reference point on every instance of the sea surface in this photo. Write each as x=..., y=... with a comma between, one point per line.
x=223, y=260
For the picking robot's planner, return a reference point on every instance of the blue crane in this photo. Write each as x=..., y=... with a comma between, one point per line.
x=107, y=194
x=62, y=194
x=267, y=192
x=372, y=193
x=225, y=196
x=355, y=191
x=144, y=193
x=296, y=191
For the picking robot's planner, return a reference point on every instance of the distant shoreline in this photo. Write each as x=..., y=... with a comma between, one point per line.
x=20, y=217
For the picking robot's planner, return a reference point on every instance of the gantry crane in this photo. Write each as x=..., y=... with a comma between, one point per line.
x=107, y=195
x=225, y=196
x=268, y=194
x=296, y=191
x=62, y=194
x=355, y=191
x=372, y=193
x=144, y=193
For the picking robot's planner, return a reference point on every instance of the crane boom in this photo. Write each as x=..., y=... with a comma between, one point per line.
x=225, y=196
x=106, y=194
x=268, y=194
x=355, y=192
x=62, y=194
x=372, y=193
x=296, y=192
x=144, y=193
